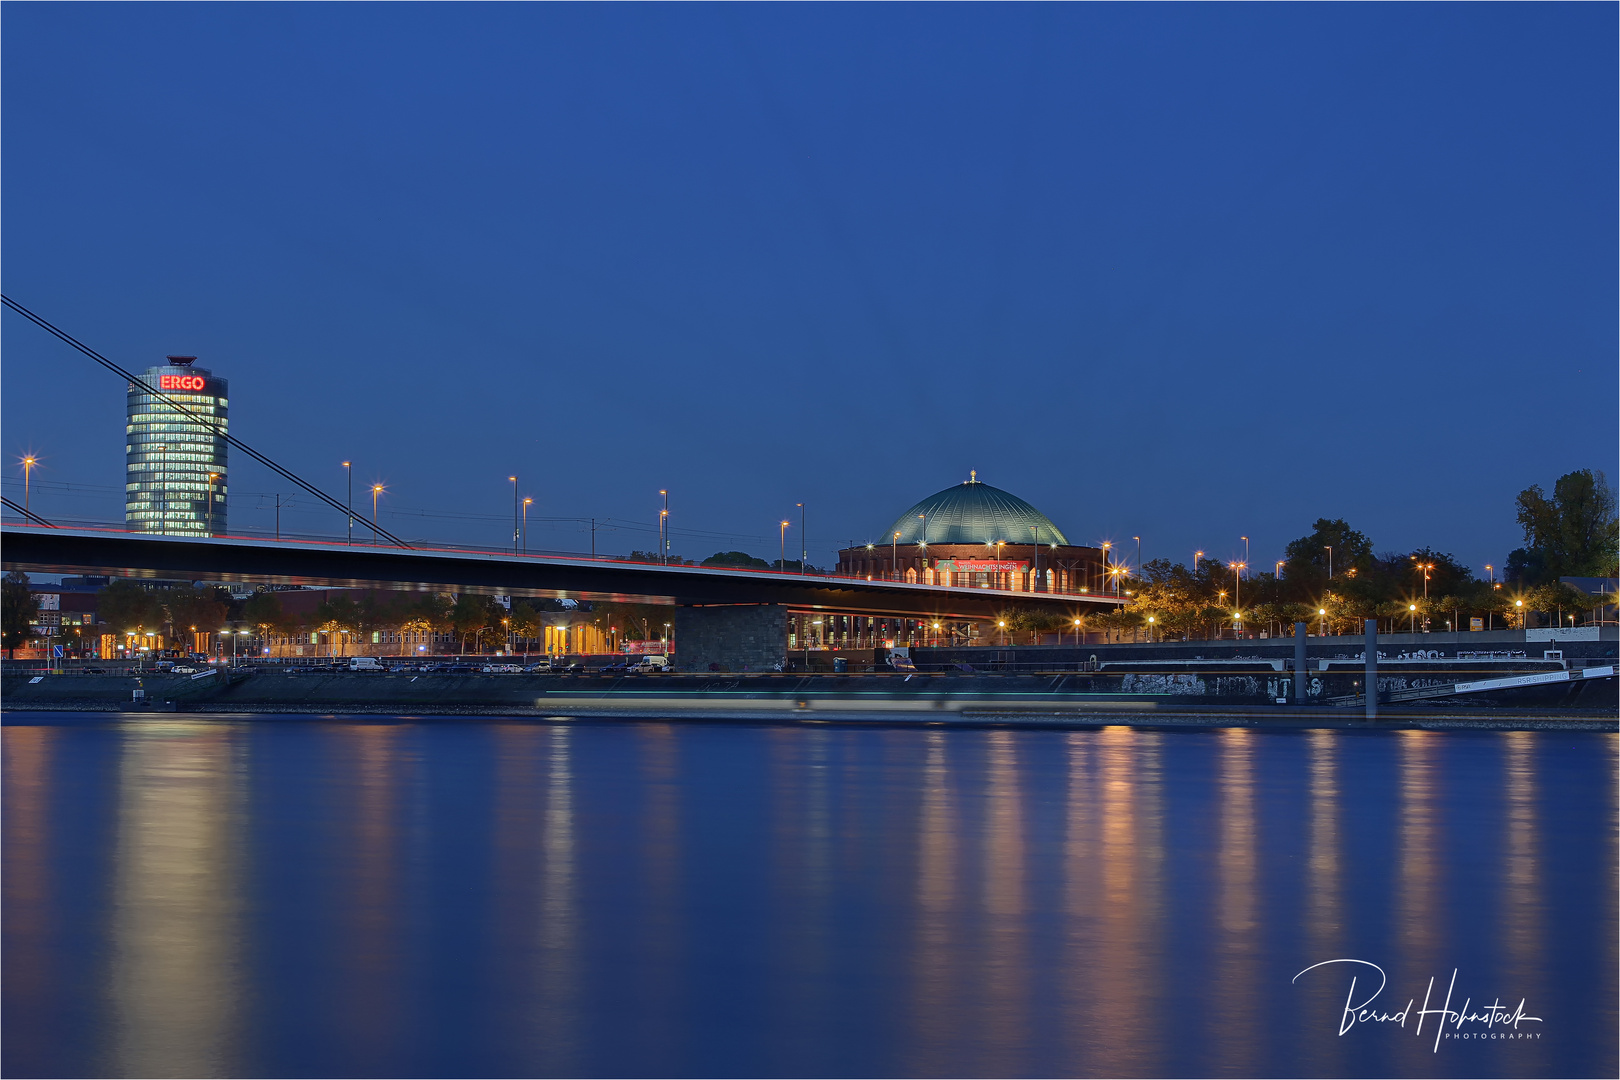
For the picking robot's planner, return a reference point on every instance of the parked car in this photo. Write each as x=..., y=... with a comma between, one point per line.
x=183, y=669
x=365, y=663
x=650, y=664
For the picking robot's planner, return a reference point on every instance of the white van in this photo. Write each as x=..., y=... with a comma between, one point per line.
x=365, y=663
x=651, y=663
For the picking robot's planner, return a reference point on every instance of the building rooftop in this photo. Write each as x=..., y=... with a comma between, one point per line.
x=973, y=513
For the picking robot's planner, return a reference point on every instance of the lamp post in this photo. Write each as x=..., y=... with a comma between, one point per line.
x=781, y=562
x=528, y=502
x=1150, y=629
x=1198, y=557
x=211, y=478
x=1237, y=584
x=1245, y=552
x=1329, y=548
x=894, y=557
x=517, y=529
x=804, y=545
x=1105, y=546
x=1412, y=610
x=28, y=464
x=1077, y=633
x=376, y=490
x=1321, y=625
x=663, y=529
x=1002, y=623
x=348, y=504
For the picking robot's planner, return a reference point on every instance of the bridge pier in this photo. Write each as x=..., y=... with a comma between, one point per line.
x=733, y=637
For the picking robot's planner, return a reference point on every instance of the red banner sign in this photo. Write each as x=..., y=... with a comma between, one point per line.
x=180, y=382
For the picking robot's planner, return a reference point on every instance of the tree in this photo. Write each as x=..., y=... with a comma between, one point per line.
x=1574, y=533
x=470, y=616
x=125, y=606
x=1306, y=568
x=18, y=608
x=736, y=558
x=194, y=610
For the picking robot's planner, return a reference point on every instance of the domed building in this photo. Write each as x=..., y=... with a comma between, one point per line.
x=977, y=536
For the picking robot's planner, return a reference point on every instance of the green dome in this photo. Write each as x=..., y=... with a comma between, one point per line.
x=973, y=513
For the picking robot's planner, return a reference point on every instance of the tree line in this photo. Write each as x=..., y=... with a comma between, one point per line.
x=1333, y=579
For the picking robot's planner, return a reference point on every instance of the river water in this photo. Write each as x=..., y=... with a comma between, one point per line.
x=202, y=896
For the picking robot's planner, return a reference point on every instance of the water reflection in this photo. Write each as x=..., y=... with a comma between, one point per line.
x=368, y=1002
x=174, y=978
x=1113, y=857
x=1005, y=969
x=1324, y=915
x=935, y=1020
x=30, y=985
x=1236, y=919
x=521, y=898
x=1520, y=917
x=1418, y=908
x=660, y=954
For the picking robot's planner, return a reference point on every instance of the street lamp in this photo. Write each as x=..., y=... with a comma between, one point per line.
x=663, y=529
x=1321, y=626
x=1003, y=624
x=28, y=463
x=894, y=556
x=1329, y=548
x=376, y=490
x=781, y=562
x=527, y=502
x=1412, y=608
x=1150, y=629
x=804, y=547
x=1105, y=546
x=516, y=528
x=1245, y=540
x=348, y=504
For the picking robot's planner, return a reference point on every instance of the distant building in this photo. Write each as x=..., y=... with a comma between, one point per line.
x=175, y=478
x=977, y=536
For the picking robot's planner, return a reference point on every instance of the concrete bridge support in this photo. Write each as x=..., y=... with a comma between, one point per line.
x=732, y=637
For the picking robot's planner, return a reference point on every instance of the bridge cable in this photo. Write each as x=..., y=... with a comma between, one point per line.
x=206, y=422
x=29, y=514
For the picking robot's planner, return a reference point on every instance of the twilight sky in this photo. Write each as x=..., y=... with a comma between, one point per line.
x=1183, y=272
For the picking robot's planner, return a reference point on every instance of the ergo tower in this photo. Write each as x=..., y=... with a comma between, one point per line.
x=175, y=471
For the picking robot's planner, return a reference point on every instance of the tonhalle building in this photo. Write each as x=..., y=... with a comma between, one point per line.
x=977, y=536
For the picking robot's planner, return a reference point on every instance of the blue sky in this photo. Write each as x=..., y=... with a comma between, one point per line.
x=1183, y=272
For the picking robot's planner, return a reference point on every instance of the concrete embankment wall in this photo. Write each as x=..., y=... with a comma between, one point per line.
x=1256, y=687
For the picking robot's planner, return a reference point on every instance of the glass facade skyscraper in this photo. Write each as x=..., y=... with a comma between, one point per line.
x=176, y=466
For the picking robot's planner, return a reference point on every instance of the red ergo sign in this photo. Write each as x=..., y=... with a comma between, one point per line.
x=180, y=382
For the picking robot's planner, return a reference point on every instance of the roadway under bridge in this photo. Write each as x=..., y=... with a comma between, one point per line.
x=691, y=589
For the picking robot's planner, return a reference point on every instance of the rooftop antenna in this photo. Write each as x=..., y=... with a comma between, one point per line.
x=181, y=361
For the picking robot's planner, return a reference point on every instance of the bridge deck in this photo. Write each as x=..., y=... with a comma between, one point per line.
x=287, y=562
